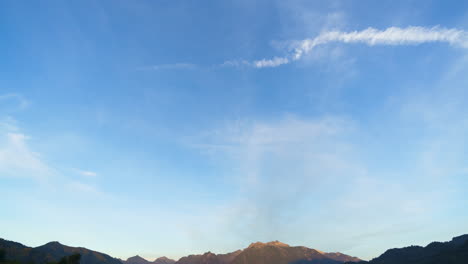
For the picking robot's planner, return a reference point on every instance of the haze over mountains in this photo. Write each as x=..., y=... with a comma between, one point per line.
x=275, y=252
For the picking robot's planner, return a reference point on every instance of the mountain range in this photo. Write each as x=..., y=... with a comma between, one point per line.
x=275, y=252
x=51, y=252
x=451, y=252
x=139, y=260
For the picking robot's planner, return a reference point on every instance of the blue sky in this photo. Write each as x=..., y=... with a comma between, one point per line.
x=172, y=127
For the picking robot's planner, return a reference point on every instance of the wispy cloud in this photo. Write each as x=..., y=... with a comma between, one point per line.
x=280, y=166
x=81, y=187
x=13, y=101
x=172, y=66
x=18, y=160
x=287, y=167
x=235, y=63
x=391, y=36
x=276, y=61
x=87, y=173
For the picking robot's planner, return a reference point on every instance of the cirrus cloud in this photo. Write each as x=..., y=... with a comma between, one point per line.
x=391, y=36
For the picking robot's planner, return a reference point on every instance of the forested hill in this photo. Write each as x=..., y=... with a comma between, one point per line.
x=451, y=252
x=50, y=252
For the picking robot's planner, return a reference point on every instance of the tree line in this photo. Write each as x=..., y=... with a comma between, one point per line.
x=72, y=259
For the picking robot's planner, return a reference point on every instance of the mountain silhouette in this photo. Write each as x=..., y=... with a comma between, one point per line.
x=136, y=260
x=163, y=260
x=209, y=258
x=279, y=253
x=275, y=252
x=139, y=260
x=452, y=252
x=52, y=252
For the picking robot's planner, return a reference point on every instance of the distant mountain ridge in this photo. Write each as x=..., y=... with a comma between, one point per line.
x=52, y=252
x=139, y=260
x=275, y=252
x=136, y=260
x=163, y=260
x=451, y=252
x=209, y=258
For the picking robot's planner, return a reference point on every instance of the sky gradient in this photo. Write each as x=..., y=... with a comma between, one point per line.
x=175, y=127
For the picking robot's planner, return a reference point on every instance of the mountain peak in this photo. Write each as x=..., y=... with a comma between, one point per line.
x=163, y=260
x=460, y=239
x=136, y=260
x=53, y=244
x=135, y=257
x=275, y=243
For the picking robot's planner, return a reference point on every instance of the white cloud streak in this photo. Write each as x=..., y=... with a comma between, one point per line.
x=276, y=61
x=172, y=66
x=391, y=36
x=18, y=160
x=87, y=173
